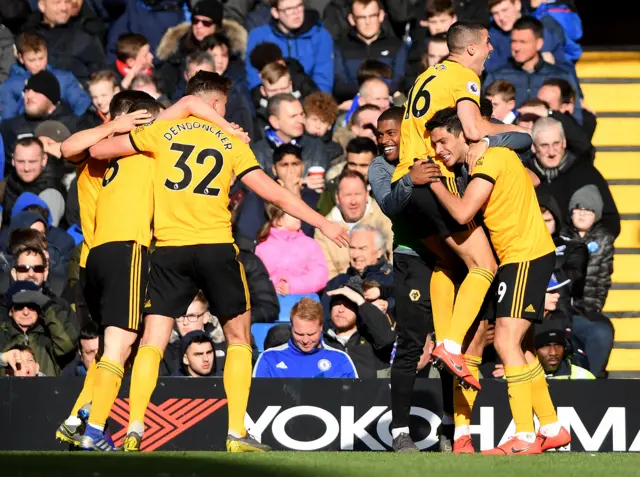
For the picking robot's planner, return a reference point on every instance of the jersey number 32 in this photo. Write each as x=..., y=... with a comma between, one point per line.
x=204, y=186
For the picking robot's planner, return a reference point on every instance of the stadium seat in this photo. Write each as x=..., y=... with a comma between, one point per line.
x=259, y=332
x=617, y=165
x=287, y=302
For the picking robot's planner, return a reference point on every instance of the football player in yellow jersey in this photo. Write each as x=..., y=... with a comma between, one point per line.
x=500, y=187
x=452, y=83
x=195, y=163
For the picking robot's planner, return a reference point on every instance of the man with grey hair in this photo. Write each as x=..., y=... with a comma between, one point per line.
x=562, y=173
x=367, y=261
x=286, y=126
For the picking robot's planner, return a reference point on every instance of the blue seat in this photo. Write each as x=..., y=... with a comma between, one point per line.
x=259, y=332
x=287, y=302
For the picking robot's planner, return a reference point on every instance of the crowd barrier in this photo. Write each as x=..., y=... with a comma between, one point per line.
x=308, y=415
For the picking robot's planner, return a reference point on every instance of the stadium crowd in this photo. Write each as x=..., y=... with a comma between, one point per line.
x=311, y=79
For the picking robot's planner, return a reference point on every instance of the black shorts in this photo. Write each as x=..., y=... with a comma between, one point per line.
x=177, y=273
x=412, y=277
x=430, y=217
x=117, y=275
x=521, y=288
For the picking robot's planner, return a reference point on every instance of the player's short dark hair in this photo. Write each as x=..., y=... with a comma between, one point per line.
x=265, y=53
x=89, y=331
x=394, y=113
x=567, y=92
x=486, y=108
x=373, y=68
x=358, y=145
x=153, y=107
x=448, y=119
x=284, y=150
x=207, y=82
x=122, y=101
x=529, y=23
x=217, y=39
x=349, y=174
x=461, y=33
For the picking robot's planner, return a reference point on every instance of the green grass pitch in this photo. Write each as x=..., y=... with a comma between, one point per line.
x=314, y=464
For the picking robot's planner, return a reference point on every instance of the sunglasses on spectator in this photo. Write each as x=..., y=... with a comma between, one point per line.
x=22, y=306
x=191, y=318
x=26, y=268
x=205, y=23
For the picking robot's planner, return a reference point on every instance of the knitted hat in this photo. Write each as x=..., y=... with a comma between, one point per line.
x=55, y=202
x=17, y=288
x=45, y=83
x=210, y=9
x=587, y=197
x=550, y=337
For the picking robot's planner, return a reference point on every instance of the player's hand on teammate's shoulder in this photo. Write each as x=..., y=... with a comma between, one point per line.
x=335, y=232
x=128, y=122
x=424, y=172
x=240, y=133
x=475, y=152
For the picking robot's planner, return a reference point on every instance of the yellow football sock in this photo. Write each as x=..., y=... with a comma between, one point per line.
x=519, y=387
x=237, y=383
x=106, y=386
x=468, y=303
x=443, y=293
x=463, y=399
x=87, y=389
x=541, y=399
x=144, y=378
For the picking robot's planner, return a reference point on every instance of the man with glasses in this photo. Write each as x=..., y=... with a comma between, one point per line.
x=300, y=35
x=366, y=40
x=562, y=172
x=38, y=321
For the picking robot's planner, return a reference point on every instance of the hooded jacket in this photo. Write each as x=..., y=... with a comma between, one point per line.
x=70, y=48
x=174, y=47
x=311, y=45
x=12, y=99
x=352, y=51
x=52, y=338
x=296, y=258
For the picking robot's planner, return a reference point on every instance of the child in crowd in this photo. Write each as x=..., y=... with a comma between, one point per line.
x=103, y=86
x=133, y=57
x=321, y=111
x=33, y=58
x=585, y=208
x=149, y=84
x=502, y=95
x=294, y=261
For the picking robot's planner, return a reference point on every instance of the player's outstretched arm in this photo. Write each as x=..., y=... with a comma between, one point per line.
x=113, y=147
x=75, y=148
x=476, y=127
x=462, y=209
x=271, y=191
x=194, y=106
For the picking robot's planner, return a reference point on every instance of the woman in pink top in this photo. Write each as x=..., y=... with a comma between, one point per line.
x=294, y=261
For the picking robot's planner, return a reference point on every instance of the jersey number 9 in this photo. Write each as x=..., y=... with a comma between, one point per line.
x=204, y=186
x=412, y=102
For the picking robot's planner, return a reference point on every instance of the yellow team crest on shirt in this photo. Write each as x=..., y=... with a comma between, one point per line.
x=414, y=295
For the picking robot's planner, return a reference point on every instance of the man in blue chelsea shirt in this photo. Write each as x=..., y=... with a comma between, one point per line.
x=305, y=355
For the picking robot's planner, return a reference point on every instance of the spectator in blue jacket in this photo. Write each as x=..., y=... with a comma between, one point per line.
x=565, y=14
x=366, y=40
x=505, y=13
x=300, y=35
x=32, y=59
x=305, y=355
x=526, y=69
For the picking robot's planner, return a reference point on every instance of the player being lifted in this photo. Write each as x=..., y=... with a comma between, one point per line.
x=452, y=83
x=195, y=162
x=501, y=189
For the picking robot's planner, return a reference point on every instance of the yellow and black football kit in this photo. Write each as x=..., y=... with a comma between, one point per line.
x=518, y=234
x=117, y=267
x=441, y=86
x=195, y=163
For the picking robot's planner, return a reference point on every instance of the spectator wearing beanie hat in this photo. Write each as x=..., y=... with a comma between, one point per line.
x=585, y=226
x=41, y=103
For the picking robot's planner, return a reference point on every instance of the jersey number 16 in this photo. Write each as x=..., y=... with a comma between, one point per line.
x=412, y=102
x=204, y=186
